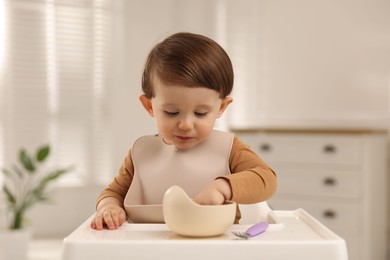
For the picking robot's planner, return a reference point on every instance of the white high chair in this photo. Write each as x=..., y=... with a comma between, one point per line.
x=291, y=235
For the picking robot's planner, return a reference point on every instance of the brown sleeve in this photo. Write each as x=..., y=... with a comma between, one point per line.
x=251, y=180
x=120, y=185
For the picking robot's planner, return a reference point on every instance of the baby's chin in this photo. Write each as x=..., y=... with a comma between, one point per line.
x=186, y=145
x=182, y=143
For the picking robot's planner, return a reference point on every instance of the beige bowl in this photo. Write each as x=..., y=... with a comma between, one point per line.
x=187, y=218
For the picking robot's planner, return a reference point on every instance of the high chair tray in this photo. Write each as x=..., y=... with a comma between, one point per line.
x=299, y=236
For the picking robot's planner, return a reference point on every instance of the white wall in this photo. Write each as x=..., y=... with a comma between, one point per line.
x=321, y=64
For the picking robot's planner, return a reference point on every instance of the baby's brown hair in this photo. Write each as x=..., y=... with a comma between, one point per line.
x=191, y=60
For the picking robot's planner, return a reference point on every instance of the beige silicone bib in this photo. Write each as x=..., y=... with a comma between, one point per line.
x=158, y=166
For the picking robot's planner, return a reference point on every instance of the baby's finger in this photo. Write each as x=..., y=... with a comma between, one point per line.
x=115, y=218
x=97, y=222
x=108, y=219
x=93, y=226
x=122, y=217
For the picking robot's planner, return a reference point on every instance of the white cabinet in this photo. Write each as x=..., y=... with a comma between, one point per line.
x=338, y=177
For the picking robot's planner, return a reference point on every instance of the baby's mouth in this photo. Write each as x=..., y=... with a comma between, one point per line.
x=183, y=138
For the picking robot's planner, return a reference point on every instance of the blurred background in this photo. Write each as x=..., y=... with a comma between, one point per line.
x=70, y=73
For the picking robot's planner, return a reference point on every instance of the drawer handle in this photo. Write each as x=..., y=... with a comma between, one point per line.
x=265, y=147
x=329, y=214
x=329, y=181
x=330, y=148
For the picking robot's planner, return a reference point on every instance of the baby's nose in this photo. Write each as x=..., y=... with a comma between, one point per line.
x=186, y=123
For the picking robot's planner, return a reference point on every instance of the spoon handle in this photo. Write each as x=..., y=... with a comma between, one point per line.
x=257, y=229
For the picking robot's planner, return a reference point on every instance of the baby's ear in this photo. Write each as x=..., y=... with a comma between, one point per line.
x=224, y=104
x=147, y=104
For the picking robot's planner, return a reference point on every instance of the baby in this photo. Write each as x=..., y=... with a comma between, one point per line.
x=186, y=85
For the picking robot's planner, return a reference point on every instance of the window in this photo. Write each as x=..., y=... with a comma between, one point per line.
x=55, y=70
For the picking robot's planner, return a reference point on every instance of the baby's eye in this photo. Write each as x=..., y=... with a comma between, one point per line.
x=169, y=113
x=201, y=114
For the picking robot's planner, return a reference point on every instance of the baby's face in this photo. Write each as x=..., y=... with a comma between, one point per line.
x=185, y=116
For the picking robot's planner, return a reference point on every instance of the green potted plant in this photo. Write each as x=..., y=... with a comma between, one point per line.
x=24, y=185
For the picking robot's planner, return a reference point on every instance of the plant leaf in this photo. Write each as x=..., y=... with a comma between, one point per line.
x=42, y=153
x=55, y=174
x=37, y=194
x=49, y=178
x=26, y=161
x=11, y=174
x=10, y=197
x=7, y=172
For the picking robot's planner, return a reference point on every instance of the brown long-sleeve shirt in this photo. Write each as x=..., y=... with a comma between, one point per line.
x=251, y=179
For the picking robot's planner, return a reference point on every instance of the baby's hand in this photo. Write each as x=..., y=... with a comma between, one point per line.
x=111, y=215
x=215, y=193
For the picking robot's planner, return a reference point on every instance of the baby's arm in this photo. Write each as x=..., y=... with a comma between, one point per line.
x=215, y=193
x=109, y=208
x=251, y=180
x=109, y=212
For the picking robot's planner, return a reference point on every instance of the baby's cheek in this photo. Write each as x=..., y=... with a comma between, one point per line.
x=205, y=131
x=165, y=130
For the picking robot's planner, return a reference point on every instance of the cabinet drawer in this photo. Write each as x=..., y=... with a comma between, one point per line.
x=305, y=148
x=342, y=218
x=318, y=182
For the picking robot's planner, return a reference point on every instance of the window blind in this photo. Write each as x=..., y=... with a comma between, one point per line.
x=55, y=70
